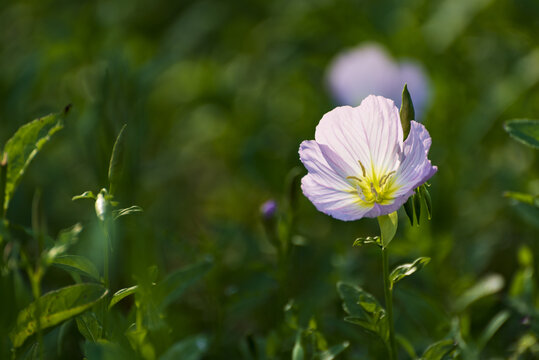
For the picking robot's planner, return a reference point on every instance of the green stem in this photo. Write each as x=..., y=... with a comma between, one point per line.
x=35, y=280
x=106, y=273
x=388, y=294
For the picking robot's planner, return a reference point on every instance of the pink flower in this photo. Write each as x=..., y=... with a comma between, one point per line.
x=369, y=69
x=359, y=166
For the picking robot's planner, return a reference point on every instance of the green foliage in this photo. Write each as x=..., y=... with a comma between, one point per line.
x=368, y=240
x=405, y=270
x=116, y=161
x=78, y=264
x=439, y=350
x=192, y=348
x=22, y=148
x=174, y=284
x=524, y=130
x=488, y=285
x=55, y=307
x=89, y=326
x=120, y=294
x=363, y=310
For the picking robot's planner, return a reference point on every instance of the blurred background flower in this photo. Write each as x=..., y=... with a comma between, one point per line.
x=369, y=69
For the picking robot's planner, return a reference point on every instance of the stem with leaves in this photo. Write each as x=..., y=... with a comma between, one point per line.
x=388, y=295
x=388, y=227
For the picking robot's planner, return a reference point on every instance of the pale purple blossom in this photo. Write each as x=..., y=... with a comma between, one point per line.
x=369, y=69
x=359, y=166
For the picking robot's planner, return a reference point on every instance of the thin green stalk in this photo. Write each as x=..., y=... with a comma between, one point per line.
x=388, y=294
x=106, y=272
x=35, y=280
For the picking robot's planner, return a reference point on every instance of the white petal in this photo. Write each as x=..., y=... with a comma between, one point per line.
x=323, y=173
x=341, y=205
x=326, y=185
x=415, y=168
x=370, y=133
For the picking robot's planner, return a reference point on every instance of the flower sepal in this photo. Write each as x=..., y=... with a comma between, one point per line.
x=388, y=227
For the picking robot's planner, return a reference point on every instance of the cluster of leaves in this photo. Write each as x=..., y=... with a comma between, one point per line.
x=87, y=302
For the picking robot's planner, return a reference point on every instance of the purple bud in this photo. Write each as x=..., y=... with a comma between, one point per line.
x=369, y=69
x=268, y=209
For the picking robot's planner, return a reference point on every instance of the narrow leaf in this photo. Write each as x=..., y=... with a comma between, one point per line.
x=89, y=326
x=524, y=130
x=192, y=348
x=439, y=350
x=84, y=195
x=406, y=345
x=56, y=306
x=66, y=238
x=417, y=205
x=404, y=270
x=333, y=351
x=368, y=240
x=116, y=160
x=120, y=294
x=297, y=352
x=173, y=286
x=127, y=211
x=489, y=285
x=409, y=209
x=407, y=112
x=22, y=148
x=493, y=326
x=427, y=200
x=78, y=264
x=388, y=227
x=523, y=198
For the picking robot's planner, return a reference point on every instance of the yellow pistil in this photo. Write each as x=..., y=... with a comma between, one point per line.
x=374, y=188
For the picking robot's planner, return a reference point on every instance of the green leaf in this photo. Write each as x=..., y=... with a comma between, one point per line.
x=524, y=130
x=404, y=270
x=105, y=350
x=388, y=227
x=368, y=240
x=120, y=294
x=364, y=309
x=439, y=350
x=333, y=351
x=89, y=326
x=417, y=205
x=425, y=195
x=493, y=326
x=116, y=160
x=78, y=264
x=406, y=345
x=173, y=286
x=407, y=112
x=192, y=348
x=84, y=195
x=127, y=211
x=56, y=306
x=489, y=285
x=22, y=148
x=409, y=209
x=66, y=238
x=297, y=352
x=523, y=198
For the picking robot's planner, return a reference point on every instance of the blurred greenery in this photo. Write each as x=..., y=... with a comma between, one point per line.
x=217, y=96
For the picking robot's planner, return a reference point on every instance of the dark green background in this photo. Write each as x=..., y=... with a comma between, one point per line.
x=218, y=95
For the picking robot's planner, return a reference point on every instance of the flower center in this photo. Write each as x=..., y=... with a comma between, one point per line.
x=375, y=188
